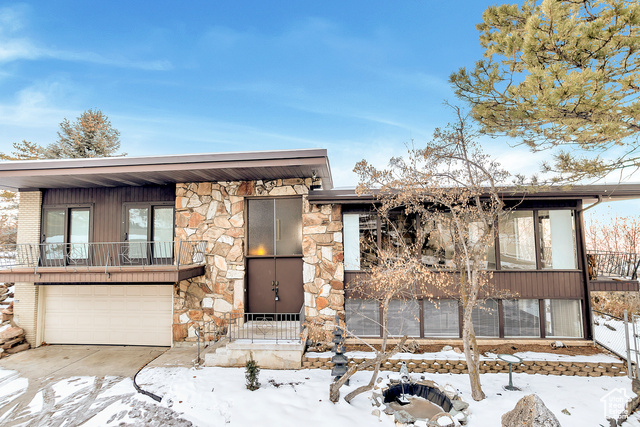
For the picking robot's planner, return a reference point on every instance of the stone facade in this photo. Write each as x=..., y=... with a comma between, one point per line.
x=215, y=212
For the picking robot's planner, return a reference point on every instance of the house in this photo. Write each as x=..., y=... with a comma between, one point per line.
x=142, y=250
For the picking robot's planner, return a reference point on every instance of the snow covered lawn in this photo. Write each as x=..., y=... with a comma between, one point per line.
x=217, y=396
x=213, y=396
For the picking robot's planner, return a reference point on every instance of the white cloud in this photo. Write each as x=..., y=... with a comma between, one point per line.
x=15, y=46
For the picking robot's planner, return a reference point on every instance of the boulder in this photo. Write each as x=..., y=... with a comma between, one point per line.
x=530, y=411
x=10, y=333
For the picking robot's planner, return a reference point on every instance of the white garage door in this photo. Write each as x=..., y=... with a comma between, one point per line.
x=108, y=314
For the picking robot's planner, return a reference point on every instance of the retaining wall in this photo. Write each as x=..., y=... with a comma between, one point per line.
x=581, y=369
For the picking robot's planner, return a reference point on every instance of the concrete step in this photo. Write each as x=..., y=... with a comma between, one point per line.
x=269, y=354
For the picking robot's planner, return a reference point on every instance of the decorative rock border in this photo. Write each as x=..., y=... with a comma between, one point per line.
x=443, y=366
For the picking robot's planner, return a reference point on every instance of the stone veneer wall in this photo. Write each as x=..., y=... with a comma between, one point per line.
x=215, y=212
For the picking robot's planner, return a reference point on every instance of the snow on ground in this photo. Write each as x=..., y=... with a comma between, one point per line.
x=610, y=333
x=218, y=396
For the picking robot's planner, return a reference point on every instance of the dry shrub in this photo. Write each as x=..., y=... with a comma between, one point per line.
x=615, y=303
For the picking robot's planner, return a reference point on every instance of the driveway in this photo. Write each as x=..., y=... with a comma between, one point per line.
x=72, y=385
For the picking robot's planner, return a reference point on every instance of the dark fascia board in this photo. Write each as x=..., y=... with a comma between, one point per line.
x=586, y=193
x=44, y=171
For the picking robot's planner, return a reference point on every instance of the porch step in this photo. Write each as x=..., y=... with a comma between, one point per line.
x=268, y=353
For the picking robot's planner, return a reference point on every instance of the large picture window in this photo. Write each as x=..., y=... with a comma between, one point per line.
x=563, y=318
x=441, y=318
x=486, y=321
x=360, y=240
x=403, y=318
x=517, y=241
x=363, y=317
x=521, y=318
x=557, y=239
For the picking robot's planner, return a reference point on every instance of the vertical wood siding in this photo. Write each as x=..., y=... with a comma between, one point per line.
x=107, y=204
x=519, y=284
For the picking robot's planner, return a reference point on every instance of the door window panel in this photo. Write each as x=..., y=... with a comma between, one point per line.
x=79, y=234
x=138, y=225
x=163, y=232
x=55, y=222
x=288, y=226
x=261, y=227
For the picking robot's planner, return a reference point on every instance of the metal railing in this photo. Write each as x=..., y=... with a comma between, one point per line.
x=103, y=254
x=604, y=264
x=263, y=326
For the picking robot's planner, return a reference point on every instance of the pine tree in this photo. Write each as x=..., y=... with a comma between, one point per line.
x=561, y=73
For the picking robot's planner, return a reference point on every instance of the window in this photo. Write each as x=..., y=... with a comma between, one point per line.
x=517, y=241
x=66, y=235
x=479, y=235
x=439, y=247
x=563, y=318
x=399, y=232
x=403, y=318
x=486, y=321
x=148, y=233
x=275, y=227
x=521, y=318
x=557, y=239
x=441, y=318
x=363, y=317
x=360, y=240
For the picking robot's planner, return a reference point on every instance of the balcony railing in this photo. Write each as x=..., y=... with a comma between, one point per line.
x=111, y=254
x=613, y=265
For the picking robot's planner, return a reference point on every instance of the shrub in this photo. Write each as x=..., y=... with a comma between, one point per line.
x=251, y=374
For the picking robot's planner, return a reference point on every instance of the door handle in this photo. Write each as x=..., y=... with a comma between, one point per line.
x=274, y=287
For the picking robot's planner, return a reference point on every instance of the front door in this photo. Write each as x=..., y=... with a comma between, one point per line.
x=274, y=256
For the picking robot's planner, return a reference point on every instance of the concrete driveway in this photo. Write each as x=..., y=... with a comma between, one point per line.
x=71, y=385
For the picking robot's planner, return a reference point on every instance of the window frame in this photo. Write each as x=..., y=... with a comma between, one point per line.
x=66, y=233
x=124, y=229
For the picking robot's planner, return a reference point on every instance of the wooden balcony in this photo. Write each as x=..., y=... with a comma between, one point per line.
x=613, y=271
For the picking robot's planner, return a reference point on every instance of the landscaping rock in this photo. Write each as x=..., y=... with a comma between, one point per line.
x=10, y=333
x=530, y=411
x=403, y=417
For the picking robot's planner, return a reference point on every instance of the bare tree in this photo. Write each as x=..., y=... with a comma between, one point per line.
x=618, y=234
x=393, y=276
x=452, y=187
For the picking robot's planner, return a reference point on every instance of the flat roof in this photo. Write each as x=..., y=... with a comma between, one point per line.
x=149, y=170
x=586, y=193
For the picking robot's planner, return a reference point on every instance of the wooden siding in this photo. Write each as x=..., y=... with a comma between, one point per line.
x=107, y=204
x=516, y=284
x=612, y=285
x=147, y=274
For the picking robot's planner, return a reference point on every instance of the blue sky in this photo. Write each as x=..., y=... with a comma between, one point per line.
x=359, y=78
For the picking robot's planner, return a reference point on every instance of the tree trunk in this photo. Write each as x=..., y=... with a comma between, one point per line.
x=334, y=388
x=471, y=352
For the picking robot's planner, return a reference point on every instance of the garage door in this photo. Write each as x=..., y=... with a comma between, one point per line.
x=108, y=314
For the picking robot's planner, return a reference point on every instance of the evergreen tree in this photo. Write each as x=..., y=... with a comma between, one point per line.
x=561, y=73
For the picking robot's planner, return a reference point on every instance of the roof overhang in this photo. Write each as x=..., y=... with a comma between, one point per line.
x=587, y=193
x=158, y=170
